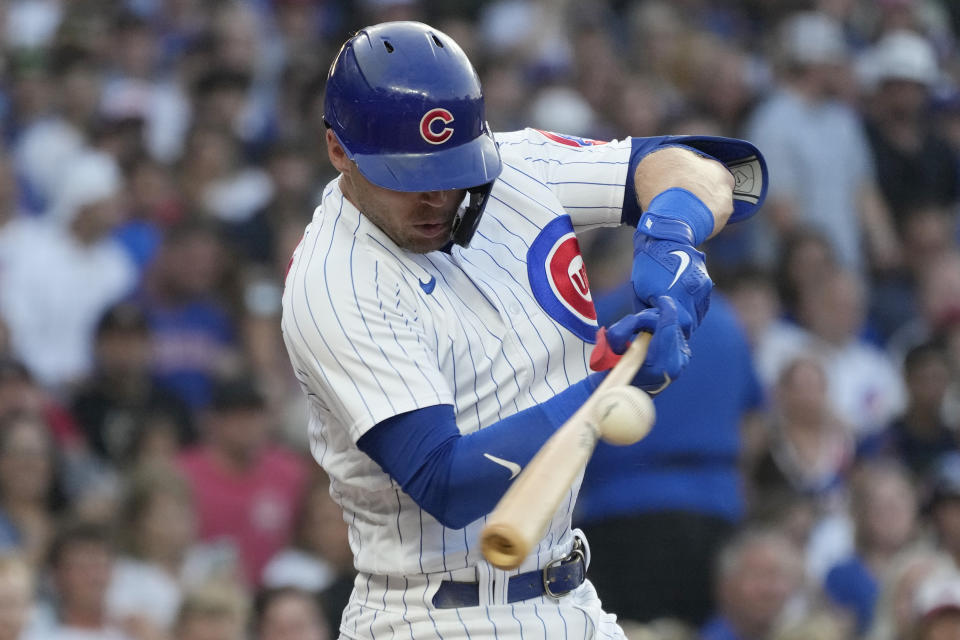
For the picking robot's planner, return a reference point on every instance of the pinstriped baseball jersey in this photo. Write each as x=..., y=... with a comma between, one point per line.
x=374, y=331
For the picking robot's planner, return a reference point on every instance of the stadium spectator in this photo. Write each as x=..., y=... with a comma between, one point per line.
x=865, y=389
x=193, y=333
x=936, y=608
x=810, y=450
x=319, y=560
x=20, y=393
x=120, y=399
x=806, y=258
x=920, y=435
x=246, y=488
x=753, y=293
x=884, y=510
x=895, y=299
x=29, y=487
x=914, y=166
x=799, y=483
x=242, y=44
x=160, y=555
x=210, y=154
x=288, y=613
x=758, y=573
x=293, y=196
x=938, y=299
x=895, y=608
x=137, y=89
x=722, y=84
x=81, y=560
x=153, y=205
x=55, y=125
x=213, y=611
x=809, y=136
x=52, y=296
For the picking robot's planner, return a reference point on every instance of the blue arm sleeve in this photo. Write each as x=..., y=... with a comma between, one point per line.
x=459, y=478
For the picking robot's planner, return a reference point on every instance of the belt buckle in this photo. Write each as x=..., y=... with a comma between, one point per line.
x=575, y=554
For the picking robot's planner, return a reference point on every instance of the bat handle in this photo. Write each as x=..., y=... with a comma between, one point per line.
x=523, y=513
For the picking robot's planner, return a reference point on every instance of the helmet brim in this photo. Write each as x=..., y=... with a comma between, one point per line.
x=467, y=165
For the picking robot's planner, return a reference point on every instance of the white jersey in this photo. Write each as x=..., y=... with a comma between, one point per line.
x=374, y=331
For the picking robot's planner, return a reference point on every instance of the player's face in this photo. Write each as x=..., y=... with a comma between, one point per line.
x=416, y=221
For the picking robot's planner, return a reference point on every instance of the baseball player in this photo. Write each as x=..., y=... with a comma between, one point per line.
x=438, y=316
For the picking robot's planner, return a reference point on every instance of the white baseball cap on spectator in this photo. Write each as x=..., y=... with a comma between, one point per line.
x=45, y=152
x=900, y=55
x=92, y=177
x=811, y=37
x=937, y=594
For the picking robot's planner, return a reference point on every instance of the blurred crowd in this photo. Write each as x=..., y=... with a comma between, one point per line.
x=160, y=158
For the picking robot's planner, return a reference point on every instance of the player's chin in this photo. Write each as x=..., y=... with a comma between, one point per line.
x=424, y=238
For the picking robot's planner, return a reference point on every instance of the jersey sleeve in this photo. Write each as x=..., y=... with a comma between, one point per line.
x=589, y=177
x=593, y=179
x=355, y=336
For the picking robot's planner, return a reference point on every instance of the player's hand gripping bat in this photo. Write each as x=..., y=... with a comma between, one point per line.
x=616, y=411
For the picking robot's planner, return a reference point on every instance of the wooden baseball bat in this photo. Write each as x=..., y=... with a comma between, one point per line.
x=521, y=517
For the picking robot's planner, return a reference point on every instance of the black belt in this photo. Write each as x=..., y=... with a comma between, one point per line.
x=557, y=579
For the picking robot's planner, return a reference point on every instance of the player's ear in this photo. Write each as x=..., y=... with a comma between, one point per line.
x=337, y=154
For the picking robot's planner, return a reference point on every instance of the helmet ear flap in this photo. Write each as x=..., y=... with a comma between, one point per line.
x=468, y=215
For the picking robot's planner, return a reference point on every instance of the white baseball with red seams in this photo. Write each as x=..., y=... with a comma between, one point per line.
x=624, y=415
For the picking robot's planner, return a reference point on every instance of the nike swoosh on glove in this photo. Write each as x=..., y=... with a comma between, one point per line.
x=667, y=355
x=675, y=269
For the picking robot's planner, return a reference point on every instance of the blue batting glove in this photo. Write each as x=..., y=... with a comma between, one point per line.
x=674, y=269
x=668, y=353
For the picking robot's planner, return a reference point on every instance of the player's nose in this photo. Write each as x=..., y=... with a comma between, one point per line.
x=436, y=198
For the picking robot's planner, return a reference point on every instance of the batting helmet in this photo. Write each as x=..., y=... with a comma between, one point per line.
x=406, y=105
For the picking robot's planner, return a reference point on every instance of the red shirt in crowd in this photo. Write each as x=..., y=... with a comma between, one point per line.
x=254, y=510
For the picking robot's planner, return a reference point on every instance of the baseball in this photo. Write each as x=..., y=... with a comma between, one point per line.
x=624, y=415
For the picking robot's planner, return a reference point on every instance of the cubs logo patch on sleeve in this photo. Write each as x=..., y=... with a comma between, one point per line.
x=558, y=279
x=570, y=141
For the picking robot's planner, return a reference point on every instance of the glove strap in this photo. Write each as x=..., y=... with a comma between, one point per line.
x=676, y=214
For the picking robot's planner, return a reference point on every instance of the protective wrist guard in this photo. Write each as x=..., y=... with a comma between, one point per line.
x=678, y=215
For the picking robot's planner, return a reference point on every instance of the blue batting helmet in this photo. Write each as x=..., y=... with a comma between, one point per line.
x=406, y=105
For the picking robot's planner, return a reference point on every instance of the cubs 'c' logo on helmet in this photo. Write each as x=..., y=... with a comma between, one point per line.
x=558, y=279
x=432, y=127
